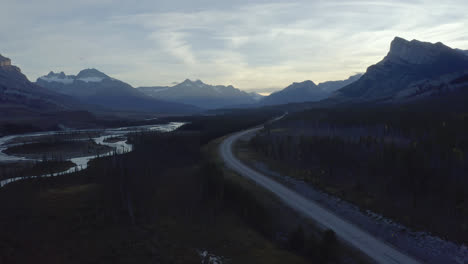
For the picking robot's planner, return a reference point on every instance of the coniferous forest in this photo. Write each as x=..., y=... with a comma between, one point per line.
x=407, y=164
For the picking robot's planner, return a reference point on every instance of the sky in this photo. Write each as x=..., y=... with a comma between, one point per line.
x=255, y=45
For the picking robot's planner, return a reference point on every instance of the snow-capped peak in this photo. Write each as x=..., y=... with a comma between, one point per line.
x=90, y=79
x=91, y=75
x=58, y=77
x=87, y=75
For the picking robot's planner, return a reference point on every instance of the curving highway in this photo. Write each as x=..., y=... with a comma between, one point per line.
x=375, y=249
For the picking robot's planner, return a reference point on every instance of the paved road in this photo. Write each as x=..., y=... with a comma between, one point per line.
x=351, y=234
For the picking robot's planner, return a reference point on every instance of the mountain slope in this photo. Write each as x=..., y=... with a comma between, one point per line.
x=27, y=107
x=463, y=51
x=332, y=86
x=406, y=63
x=17, y=92
x=200, y=94
x=306, y=91
x=94, y=87
x=256, y=96
x=450, y=90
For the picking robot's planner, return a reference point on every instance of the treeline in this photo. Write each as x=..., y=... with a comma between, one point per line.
x=408, y=165
x=132, y=180
x=214, y=126
x=36, y=168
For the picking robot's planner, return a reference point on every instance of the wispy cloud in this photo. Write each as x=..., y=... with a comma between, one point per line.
x=253, y=45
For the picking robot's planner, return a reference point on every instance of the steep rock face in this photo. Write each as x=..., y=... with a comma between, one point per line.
x=200, y=94
x=4, y=61
x=94, y=87
x=444, y=85
x=416, y=52
x=406, y=62
x=16, y=91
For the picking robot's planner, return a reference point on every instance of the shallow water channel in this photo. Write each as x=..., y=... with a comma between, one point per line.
x=81, y=163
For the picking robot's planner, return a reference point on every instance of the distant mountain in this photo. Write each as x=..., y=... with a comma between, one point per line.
x=332, y=86
x=256, y=96
x=295, y=93
x=153, y=90
x=202, y=95
x=27, y=107
x=17, y=92
x=463, y=51
x=94, y=87
x=307, y=91
x=406, y=63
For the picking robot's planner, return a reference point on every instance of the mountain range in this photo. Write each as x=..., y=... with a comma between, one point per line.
x=411, y=71
x=93, y=87
x=406, y=63
x=17, y=93
x=27, y=107
x=202, y=95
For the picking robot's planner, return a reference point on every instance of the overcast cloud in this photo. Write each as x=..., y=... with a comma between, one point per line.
x=259, y=45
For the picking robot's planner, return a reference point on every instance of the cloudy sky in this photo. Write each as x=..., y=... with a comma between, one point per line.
x=254, y=45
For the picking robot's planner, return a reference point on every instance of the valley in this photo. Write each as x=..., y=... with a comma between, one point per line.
x=322, y=132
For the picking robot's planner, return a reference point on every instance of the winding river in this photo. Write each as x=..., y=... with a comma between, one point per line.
x=81, y=163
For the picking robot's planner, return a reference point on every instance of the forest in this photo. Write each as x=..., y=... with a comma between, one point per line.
x=403, y=162
x=163, y=201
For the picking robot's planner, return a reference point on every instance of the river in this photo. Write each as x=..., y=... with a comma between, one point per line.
x=81, y=163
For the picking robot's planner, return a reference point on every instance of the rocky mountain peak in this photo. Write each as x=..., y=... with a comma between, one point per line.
x=89, y=73
x=407, y=62
x=304, y=84
x=415, y=52
x=190, y=82
x=60, y=75
x=4, y=61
